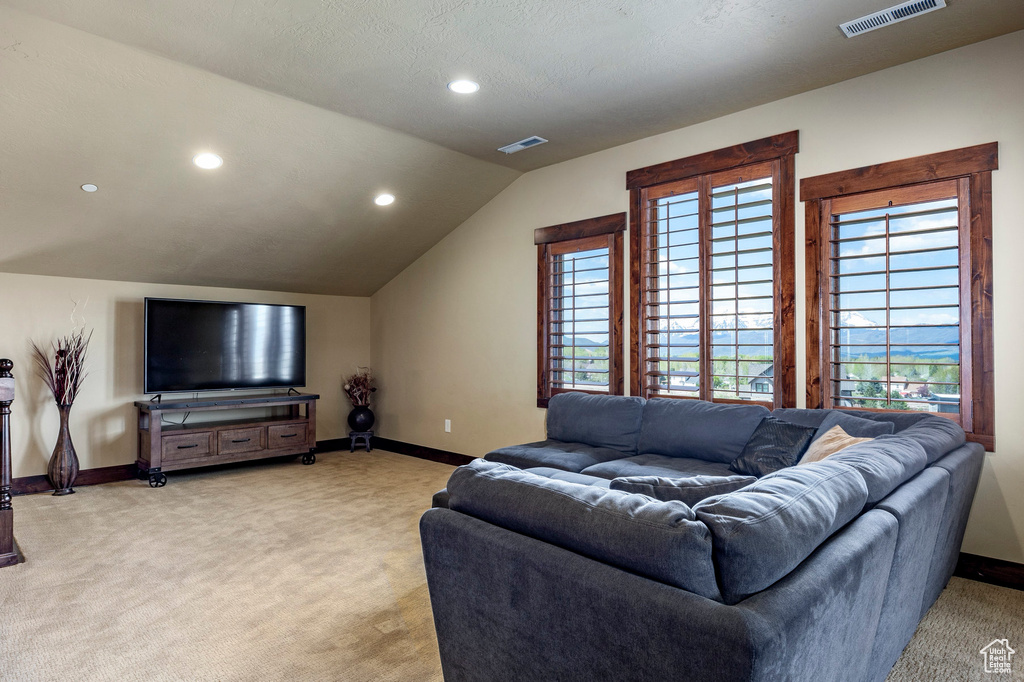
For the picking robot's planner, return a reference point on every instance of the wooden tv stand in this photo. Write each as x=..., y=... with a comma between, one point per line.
x=171, y=447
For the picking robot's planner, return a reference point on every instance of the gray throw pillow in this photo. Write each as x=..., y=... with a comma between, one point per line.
x=774, y=445
x=691, y=489
x=853, y=426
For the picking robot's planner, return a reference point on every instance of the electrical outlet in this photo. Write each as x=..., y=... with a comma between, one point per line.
x=447, y=425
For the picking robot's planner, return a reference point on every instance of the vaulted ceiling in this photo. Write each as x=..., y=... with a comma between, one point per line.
x=317, y=106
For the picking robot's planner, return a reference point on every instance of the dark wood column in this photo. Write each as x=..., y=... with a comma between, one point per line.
x=8, y=552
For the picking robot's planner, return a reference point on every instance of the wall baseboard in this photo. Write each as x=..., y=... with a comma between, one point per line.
x=31, y=485
x=993, y=571
x=422, y=452
x=333, y=445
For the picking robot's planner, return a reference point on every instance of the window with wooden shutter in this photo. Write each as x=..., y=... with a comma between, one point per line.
x=579, y=307
x=899, y=288
x=713, y=250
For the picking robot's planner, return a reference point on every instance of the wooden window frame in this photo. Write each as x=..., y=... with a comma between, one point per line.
x=777, y=150
x=608, y=230
x=972, y=167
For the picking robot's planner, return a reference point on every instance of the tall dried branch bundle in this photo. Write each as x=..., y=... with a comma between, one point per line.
x=65, y=374
x=359, y=386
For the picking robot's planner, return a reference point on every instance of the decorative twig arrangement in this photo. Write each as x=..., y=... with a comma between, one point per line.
x=359, y=386
x=64, y=376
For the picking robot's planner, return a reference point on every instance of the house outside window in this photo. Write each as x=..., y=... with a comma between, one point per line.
x=712, y=251
x=899, y=288
x=579, y=307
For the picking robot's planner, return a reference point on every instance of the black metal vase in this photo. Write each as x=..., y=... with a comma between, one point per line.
x=361, y=418
x=63, y=467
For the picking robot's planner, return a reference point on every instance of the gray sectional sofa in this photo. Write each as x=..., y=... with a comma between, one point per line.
x=539, y=568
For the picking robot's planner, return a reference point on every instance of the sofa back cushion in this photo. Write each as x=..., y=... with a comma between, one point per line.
x=663, y=541
x=937, y=435
x=603, y=421
x=885, y=463
x=714, y=432
x=855, y=426
x=764, y=531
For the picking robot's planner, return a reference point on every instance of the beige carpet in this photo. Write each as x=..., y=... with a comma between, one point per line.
x=948, y=642
x=281, y=571
x=272, y=572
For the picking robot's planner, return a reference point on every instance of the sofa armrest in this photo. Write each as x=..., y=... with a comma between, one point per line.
x=509, y=607
x=819, y=622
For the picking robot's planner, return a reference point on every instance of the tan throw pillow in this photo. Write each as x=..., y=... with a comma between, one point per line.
x=834, y=440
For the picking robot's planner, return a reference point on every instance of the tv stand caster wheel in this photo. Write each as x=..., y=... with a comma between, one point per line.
x=308, y=458
x=157, y=480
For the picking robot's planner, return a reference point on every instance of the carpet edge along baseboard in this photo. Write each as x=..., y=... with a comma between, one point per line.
x=31, y=485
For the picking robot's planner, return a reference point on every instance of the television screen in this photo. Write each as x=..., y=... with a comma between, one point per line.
x=212, y=345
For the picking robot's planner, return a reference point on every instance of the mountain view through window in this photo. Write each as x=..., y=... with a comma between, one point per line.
x=710, y=286
x=895, y=292
x=580, y=320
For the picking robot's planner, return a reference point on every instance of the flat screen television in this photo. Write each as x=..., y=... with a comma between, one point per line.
x=217, y=346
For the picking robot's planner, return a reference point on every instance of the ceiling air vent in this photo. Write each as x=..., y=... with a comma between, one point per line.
x=892, y=15
x=523, y=144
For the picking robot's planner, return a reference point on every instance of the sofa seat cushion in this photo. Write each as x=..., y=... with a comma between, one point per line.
x=663, y=541
x=569, y=476
x=658, y=465
x=715, y=432
x=764, y=531
x=689, y=490
x=601, y=421
x=554, y=454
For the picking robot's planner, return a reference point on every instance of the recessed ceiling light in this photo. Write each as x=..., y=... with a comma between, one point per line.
x=207, y=160
x=384, y=199
x=463, y=87
x=89, y=187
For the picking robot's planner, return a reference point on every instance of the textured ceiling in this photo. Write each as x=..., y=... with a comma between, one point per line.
x=317, y=105
x=291, y=209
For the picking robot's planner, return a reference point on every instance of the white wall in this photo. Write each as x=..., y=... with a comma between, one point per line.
x=103, y=420
x=454, y=335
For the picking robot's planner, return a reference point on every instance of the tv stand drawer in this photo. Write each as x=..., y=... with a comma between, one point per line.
x=286, y=436
x=241, y=440
x=186, y=445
